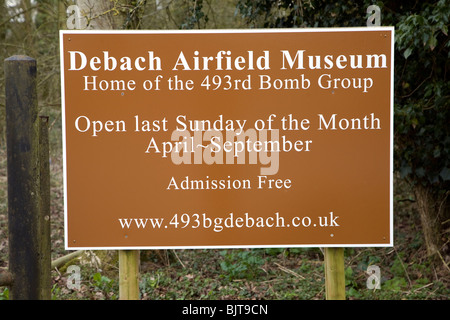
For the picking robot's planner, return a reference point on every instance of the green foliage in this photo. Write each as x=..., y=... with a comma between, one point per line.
x=195, y=16
x=395, y=284
x=295, y=14
x=202, y=277
x=349, y=278
x=105, y=285
x=56, y=292
x=422, y=94
x=286, y=252
x=397, y=268
x=239, y=264
x=4, y=295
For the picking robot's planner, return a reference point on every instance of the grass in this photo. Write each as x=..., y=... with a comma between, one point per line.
x=271, y=274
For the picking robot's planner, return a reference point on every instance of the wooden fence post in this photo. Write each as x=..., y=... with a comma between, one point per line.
x=44, y=216
x=334, y=274
x=23, y=167
x=129, y=261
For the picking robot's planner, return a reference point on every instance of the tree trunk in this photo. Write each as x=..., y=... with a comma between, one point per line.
x=432, y=209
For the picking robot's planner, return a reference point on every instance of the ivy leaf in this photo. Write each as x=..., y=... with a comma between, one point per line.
x=445, y=174
x=405, y=171
x=407, y=52
x=433, y=43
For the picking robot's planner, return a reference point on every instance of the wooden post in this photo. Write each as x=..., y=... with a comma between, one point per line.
x=129, y=261
x=334, y=274
x=44, y=216
x=22, y=138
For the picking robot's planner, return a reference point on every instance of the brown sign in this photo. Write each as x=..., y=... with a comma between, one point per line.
x=261, y=138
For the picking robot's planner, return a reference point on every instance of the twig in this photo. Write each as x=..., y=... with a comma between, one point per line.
x=403, y=266
x=427, y=285
x=412, y=92
x=443, y=261
x=17, y=14
x=289, y=271
x=179, y=260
